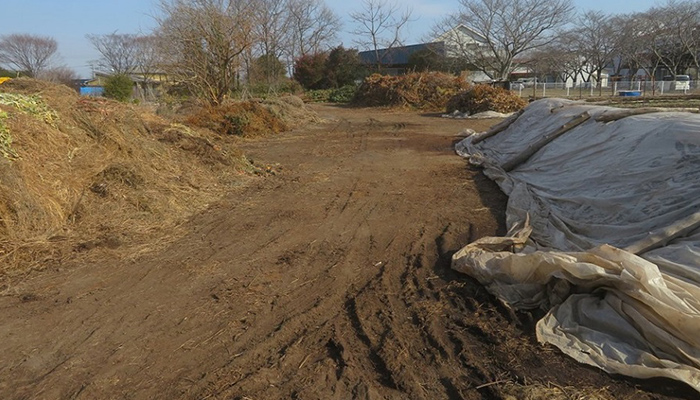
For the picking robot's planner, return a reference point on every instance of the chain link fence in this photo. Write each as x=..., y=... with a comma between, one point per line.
x=620, y=88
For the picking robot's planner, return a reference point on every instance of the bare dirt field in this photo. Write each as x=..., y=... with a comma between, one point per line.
x=325, y=277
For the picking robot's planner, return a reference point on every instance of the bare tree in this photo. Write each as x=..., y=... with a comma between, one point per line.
x=499, y=31
x=272, y=26
x=272, y=29
x=60, y=74
x=118, y=52
x=379, y=26
x=594, y=41
x=313, y=26
x=556, y=59
x=674, y=29
x=27, y=53
x=634, y=34
x=688, y=32
x=147, y=62
x=202, y=43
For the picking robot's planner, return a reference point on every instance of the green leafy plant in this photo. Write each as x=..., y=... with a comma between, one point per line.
x=30, y=104
x=6, y=139
x=119, y=87
x=318, y=95
x=344, y=94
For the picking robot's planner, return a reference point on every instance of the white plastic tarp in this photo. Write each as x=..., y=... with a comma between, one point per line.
x=579, y=209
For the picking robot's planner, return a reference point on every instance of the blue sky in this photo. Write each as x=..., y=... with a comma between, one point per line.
x=68, y=21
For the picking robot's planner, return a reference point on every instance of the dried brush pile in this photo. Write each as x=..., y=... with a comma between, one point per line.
x=89, y=175
x=480, y=98
x=291, y=110
x=251, y=118
x=428, y=91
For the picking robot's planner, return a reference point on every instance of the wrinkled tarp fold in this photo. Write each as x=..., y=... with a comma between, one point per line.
x=579, y=209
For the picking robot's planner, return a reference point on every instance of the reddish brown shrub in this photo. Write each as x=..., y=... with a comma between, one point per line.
x=246, y=118
x=480, y=98
x=425, y=90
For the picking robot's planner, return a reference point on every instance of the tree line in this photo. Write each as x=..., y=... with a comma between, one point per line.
x=214, y=47
x=548, y=38
x=639, y=45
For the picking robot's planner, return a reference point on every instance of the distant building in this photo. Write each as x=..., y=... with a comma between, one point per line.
x=461, y=41
x=453, y=44
x=145, y=84
x=397, y=60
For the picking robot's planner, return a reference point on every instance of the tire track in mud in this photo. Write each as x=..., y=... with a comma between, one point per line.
x=394, y=321
x=329, y=280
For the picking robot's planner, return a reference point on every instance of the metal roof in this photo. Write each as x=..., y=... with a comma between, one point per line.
x=399, y=55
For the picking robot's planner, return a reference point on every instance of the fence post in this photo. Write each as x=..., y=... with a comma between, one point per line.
x=544, y=89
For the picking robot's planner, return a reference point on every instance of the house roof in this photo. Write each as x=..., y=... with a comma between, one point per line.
x=463, y=31
x=399, y=55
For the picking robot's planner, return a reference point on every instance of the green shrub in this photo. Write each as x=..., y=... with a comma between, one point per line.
x=317, y=96
x=343, y=67
x=344, y=94
x=119, y=87
x=327, y=70
x=309, y=71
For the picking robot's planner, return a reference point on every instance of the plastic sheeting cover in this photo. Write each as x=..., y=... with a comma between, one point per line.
x=576, y=206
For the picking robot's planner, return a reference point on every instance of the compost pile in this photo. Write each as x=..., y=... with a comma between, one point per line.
x=482, y=98
x=604, y=212
x=89, y=176
x=252, y=118
x=428, y=91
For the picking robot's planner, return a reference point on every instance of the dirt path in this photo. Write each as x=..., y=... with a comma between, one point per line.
x=326, y=279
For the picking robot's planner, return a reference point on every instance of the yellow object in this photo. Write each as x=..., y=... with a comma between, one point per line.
x=4, y=79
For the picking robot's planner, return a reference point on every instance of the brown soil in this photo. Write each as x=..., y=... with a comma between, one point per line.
x=327, y=276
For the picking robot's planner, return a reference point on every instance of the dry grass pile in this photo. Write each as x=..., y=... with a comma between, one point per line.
x=428, y=91
x=237, y=118
x=253, y=117
x=291, y=110
x=535, y=391
x=80, y=174
x=6, y=138
x=480, y=98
